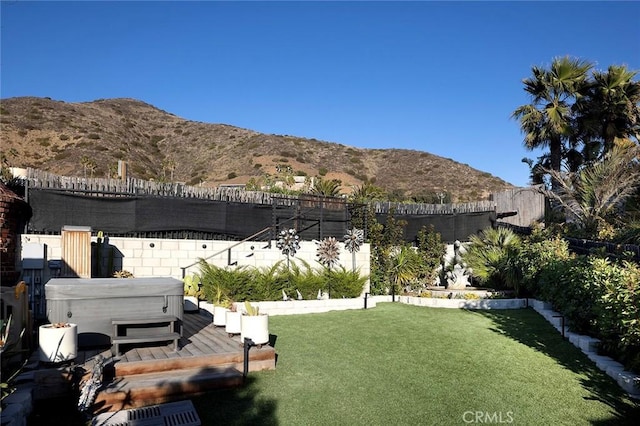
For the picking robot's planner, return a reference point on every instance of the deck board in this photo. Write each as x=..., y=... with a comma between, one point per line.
x=204, y=350
x=200, y=338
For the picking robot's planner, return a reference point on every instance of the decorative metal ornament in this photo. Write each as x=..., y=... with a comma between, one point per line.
x=353, y=240
x=288, y=242
x=328, y=252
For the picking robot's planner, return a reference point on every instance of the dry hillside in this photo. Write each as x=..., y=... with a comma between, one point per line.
x=60, y=137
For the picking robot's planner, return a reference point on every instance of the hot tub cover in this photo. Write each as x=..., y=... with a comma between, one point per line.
x=102, y=288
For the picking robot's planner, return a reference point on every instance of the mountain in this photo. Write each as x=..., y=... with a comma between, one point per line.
x=88, y=138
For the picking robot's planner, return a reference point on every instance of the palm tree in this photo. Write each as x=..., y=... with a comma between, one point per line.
x=403, y=266
x=490, y=257
x=547, y=121
x=367, y=192
x=85, y=161
x=611, y=108
x=596, y=194
x=327, y=188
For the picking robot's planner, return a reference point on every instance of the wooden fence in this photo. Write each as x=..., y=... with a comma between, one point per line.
x=527, y=203
x=520, y=206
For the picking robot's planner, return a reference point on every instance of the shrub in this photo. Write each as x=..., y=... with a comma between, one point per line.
x=219, y=284
x=268, y=283
x=232, y=175
x=599, y=298
x=619, y=311
x=534, y=256
x=431, y=249
x=344, y=282
x=491, y=254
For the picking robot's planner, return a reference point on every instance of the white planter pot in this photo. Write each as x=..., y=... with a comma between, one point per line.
x=256, y=328
x=234, y=322
x=57, y=344
x=219, y=316
x=191, y=304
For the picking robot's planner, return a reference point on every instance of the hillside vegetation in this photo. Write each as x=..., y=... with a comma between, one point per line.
x=89, y=138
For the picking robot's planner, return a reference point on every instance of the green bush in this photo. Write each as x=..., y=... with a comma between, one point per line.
x=267, y=283
x=431, y=249
x=344, y=283
x=491, y=255
x=219, y=284
x=599, y=298
x=619, y=313
x=534, y=256
x=305, y=279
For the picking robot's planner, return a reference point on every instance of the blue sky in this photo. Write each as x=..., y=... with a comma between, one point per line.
x=440, y=77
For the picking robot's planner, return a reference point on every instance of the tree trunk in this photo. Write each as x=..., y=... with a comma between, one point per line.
x=555, y=150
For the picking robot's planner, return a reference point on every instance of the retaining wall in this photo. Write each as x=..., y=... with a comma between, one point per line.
x=155, y=257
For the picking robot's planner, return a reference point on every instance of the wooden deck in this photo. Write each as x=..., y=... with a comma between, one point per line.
x=207, y=359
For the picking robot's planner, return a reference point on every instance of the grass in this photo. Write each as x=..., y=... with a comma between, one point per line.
x=398, y=364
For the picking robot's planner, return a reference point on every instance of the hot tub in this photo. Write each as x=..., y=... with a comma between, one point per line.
x=92, y=303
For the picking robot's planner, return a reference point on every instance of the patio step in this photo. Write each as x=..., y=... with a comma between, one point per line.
x=259, y=359
x=141, y=390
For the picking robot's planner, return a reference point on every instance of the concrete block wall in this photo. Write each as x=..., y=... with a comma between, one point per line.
x=299, y=307
x=628, y=381
x=148, y=257
x=455, y=303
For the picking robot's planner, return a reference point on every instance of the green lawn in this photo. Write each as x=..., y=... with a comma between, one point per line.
x=399, y=364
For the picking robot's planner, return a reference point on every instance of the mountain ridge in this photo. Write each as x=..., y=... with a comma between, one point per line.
x=83, y=138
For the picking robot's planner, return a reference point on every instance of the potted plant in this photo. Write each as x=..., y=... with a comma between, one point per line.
x=233, y=320
x=192, y=293
x=221, y=304
x=58, y=342
x=254, y=325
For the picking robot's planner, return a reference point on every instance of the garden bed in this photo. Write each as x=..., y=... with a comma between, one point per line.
x=293, y=307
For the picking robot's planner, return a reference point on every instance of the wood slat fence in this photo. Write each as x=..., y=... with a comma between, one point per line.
x=133, y=186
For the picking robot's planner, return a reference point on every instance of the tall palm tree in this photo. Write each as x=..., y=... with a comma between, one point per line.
x=547, y=120
x=611, y=108
x=596, y=194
